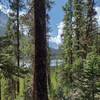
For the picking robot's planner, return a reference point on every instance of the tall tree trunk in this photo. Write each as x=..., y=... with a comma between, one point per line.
x=0, y=87
x=18, y=42
x=40, y=77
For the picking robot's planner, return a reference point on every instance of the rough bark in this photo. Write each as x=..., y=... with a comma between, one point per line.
x=40, y=77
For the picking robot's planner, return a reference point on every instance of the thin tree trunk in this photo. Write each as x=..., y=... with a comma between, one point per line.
x=18, y=42
x=40, y=77
x=0, y=87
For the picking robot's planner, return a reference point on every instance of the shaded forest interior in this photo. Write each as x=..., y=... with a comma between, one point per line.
x=31, y=68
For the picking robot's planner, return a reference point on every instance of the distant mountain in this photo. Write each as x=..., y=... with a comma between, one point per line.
x=55, y=59
x=3, y=23
x=53, y=45
x=54, y=53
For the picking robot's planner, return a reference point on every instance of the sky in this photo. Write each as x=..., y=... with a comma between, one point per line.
x=56, y=15
x=56, y=21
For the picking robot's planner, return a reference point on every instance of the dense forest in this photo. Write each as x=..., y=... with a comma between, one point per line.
x=31, y=69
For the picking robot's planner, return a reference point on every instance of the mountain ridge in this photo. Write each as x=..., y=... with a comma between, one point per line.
x=3, y=23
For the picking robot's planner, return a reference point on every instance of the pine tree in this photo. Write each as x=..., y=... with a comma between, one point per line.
x=40, y=77
x=67, y=49
x=78, y=43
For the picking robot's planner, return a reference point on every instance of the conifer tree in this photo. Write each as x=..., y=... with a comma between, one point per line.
x=40, y=77
x=67, y=48
x=80, y=39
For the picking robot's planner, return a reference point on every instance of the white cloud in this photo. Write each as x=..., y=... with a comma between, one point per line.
x=98, y=14
x=0, y=7
x=3, y=8
x=7, y=10
x=57, y=39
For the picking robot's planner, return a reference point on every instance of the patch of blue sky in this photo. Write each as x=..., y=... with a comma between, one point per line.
x=56, y=15
x=97, y=2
